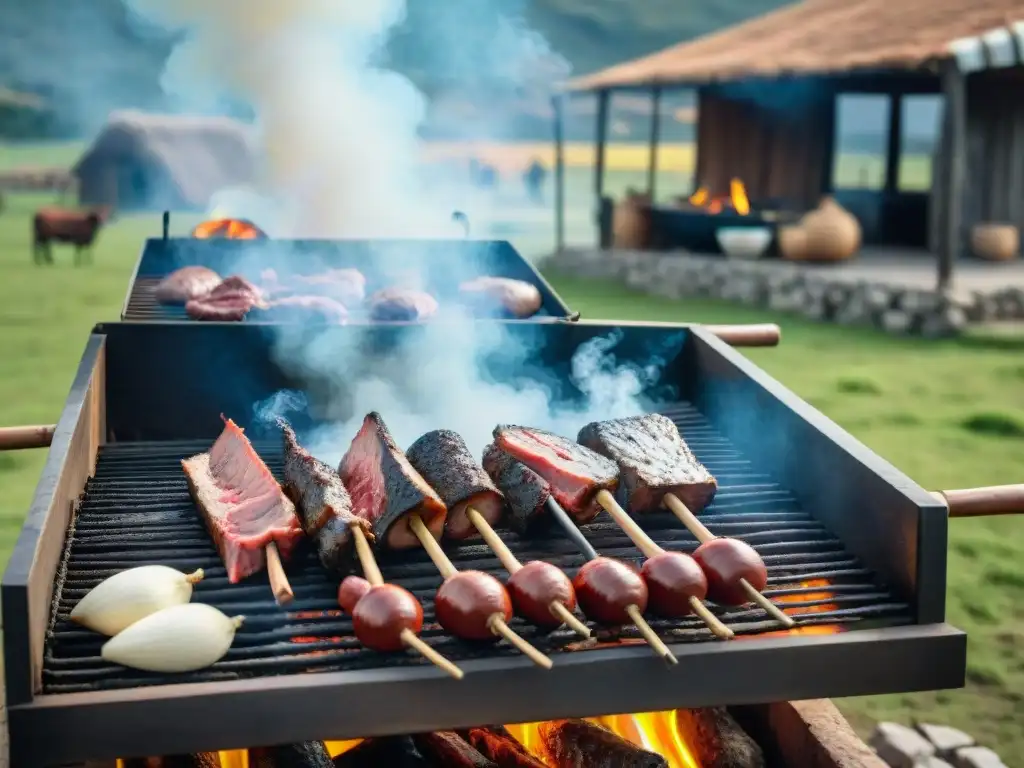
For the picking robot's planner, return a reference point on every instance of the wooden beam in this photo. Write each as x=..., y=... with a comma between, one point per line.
x=558, y=104
x=895, y=146
x=655, y=138
x=601, y=145
x=955, y=125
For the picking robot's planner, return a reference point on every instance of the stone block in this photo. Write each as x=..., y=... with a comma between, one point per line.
x=977, y=757
x=900, y=746
x=945, y=739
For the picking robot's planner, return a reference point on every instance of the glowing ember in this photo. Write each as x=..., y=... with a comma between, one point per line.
x=737, y=199
x=228, y=229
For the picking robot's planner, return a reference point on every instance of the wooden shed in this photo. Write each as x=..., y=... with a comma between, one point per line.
x=142, y=161
x=767, y=93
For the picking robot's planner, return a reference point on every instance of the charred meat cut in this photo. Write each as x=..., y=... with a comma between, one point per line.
x=450, y=750
x=386, y=489
x=307, y=754
x=186, y=283
x=653, y=460
x=498, y=745
x=241, y=503
x=579, y=744
x=230, y=300
x=445, y=462
x=526, y=492
x=574, y=472
x=324, y=506
x=502, y=295
x=402, y=305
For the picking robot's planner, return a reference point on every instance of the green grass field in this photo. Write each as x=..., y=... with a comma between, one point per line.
x=950, y=414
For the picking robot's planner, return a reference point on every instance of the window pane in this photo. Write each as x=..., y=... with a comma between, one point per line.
x=919, y=118
x=861, y=141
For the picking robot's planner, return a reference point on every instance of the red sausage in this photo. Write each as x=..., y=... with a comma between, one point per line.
x=606, y=588
x=383, y=614
x=351, y=591
x=465, y=603
x=725, y=562
x=672, y=579
x=534, y=587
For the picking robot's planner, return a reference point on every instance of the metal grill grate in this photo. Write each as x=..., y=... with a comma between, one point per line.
x=137, y=510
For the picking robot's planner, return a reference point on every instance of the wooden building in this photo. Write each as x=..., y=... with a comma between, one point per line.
x=767, y=93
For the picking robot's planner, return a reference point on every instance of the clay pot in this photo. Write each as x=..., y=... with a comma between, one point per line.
x=792, y=242
x=631, y=221
x=995, y=242
x=833, y=233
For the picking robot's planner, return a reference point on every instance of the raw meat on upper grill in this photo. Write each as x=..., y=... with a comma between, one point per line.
x=385, y=488
x=402, y=305
x=230, y=300
x=186, y=283
x=526, y=492
x=241, y=503
x=325, y=508
x=444, y=461
x=653, y=460
x=502, y=296
x=574, y=472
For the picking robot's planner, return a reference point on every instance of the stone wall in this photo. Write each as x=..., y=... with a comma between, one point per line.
x=786, y=287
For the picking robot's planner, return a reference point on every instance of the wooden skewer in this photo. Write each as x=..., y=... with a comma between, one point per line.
x=698, y=529
x=650, y=548
x=373, y=575
x=283, y=593
x=447, y=569
x=511, y=564
x=577, y=537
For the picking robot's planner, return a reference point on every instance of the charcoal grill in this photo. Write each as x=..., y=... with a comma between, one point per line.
x=815, y=502
x=444, y=264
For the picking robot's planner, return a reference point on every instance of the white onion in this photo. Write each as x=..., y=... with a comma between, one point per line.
x=183, y=638
x=126, y=597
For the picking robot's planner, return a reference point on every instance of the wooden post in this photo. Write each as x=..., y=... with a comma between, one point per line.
x=652, y=161
x=558, y=103
x=601, y=141
x=895, y=147
x=955, y=126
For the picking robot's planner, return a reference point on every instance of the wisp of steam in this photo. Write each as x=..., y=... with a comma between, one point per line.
x=338, y=139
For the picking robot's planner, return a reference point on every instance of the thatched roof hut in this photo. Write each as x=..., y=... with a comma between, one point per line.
x=144, y=161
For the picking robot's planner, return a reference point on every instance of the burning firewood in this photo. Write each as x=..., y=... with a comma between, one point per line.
x=717, y=740
x=450, y=750
x=198, y=760
x=501, y=747
x=579, y=744
x=306, y=754
x=390, y=751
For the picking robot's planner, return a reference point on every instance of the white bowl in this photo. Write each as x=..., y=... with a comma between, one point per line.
x=744, y=242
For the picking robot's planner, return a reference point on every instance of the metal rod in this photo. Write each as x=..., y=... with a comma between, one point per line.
x=571, y=529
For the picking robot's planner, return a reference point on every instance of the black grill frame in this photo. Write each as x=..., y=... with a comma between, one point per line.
x=842, y=480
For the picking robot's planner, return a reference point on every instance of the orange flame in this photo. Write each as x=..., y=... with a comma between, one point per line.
x=228, y=229
x=737, y=199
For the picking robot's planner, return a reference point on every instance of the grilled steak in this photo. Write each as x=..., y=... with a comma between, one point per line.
x=653, y=460
x=230, y=300
x=445, y=462
x=186, y=283
x=526, y=492
x=450, y=750
x=385, y=489
x=402, y=305
x=502, y=295
x=307, y=754
x=242, y=505
x=325, y=509
x=322, y=308
x=579, y=744
x=575, y=473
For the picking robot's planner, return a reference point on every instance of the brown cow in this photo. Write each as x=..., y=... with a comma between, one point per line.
x=66, y=225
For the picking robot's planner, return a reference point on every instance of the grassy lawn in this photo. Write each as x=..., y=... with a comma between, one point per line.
x=950, y=414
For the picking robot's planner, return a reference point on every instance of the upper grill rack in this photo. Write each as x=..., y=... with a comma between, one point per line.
x=136, y=510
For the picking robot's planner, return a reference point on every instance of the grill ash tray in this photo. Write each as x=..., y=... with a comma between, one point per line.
x=137, y=510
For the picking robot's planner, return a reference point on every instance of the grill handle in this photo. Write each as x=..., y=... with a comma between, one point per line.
x=757, y=335
x=19, y=438
x=982, y=502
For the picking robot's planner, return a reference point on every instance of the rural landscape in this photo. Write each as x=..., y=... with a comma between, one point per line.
x=948, y=412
